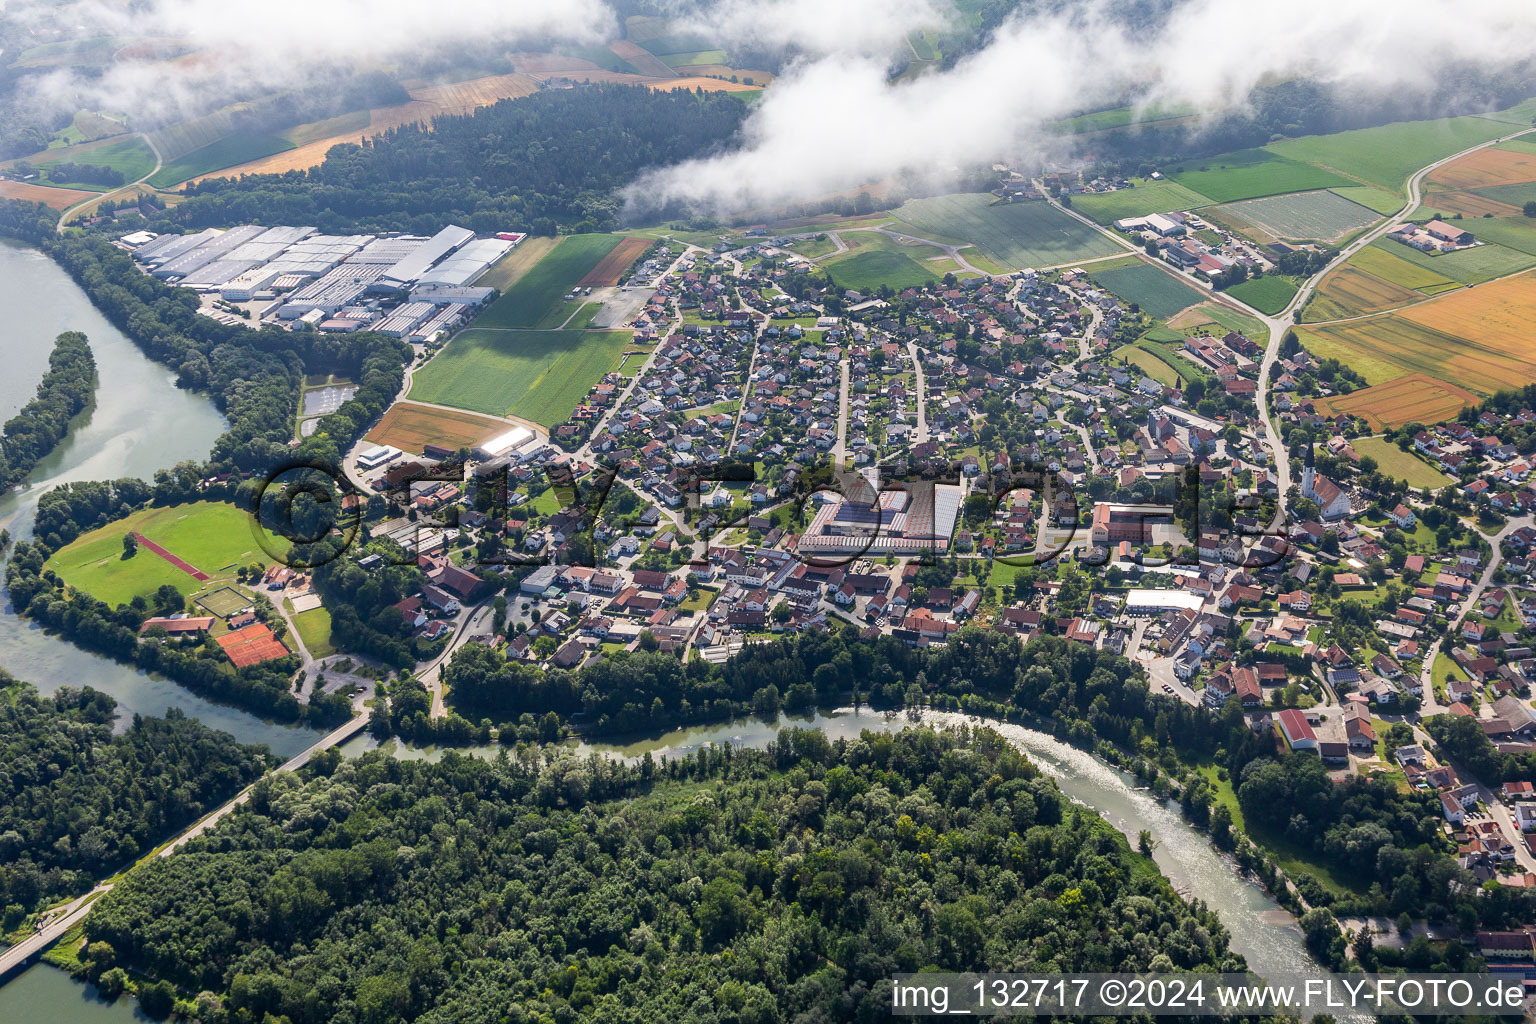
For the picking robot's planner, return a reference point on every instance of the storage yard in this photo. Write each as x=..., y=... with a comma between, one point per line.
x=408, y=286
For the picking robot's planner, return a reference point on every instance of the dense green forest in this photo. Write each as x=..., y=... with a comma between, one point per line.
x=42, y=423
x=77, y=802
x=756, y=886
x=547, y=162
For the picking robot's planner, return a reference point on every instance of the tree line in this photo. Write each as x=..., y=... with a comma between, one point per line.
x=64, y=392
x=78, y=801
x=746, y=886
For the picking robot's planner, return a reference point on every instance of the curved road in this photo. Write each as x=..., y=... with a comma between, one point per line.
x=159, y=163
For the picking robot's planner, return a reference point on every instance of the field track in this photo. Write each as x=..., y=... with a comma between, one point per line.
x=196, y=574
x=612, y=267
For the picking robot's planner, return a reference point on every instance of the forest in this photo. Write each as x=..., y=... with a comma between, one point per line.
x=64, y=391
x=746, y=886
x=546, y=163
x=77, y=802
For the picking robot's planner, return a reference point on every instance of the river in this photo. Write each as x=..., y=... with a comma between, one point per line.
x=1264, y=933
x=140, y=422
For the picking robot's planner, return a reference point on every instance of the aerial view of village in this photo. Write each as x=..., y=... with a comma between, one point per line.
x=759, y=512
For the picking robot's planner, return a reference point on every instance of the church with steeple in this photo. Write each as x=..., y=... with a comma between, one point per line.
x=1332, y=500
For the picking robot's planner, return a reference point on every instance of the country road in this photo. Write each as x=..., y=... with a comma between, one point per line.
x=98, y=199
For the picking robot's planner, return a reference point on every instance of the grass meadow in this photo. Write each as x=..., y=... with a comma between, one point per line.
x=1016, y=235
x=536, y=300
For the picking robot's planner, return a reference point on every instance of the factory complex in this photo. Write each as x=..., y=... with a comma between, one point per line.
x=406, y=286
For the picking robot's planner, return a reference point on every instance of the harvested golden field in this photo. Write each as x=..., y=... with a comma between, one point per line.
x=1468, y=204
x=1486, y=167
x=409, y=425
x=759, y=78
x=1189, y=318
x=707, y=84
x=1415, y=398
x=426, y=103
x=1350, y=291
x=1478, y=337
x=58, y=198
x=611, y=267
x=506, y=272
x=641, y=59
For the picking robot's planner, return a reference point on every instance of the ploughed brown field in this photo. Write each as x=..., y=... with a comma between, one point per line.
x=410, y=425
x=612, y=267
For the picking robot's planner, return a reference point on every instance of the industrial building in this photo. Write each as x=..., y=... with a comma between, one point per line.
x=409, y=286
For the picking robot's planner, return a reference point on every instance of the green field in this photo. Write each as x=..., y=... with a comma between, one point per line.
x=226, y=152
x=1400, y=465
x=1268, y=294
x=1159, y=294
x=866, y=271
x=1468, y=266
x=678, y=60
x=1385, y=261
x=1119, y=117
x=1248, y=173
x=1150, y=363
x=214, y=537
x=130, y=154
x=314, y=628
x=1383, y=202
x=1321, y=216
x=1146, y=197
x=1515, y=195
x=1386, y=155
x=535, y=375
x=537, y=298
x=1512, y=232
x=1017, y=235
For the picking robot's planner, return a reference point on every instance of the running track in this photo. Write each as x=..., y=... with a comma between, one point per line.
x=201, y=577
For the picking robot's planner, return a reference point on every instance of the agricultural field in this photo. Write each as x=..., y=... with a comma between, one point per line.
x=1120, y=117
x=693, y=58
x=615, y=264
x=1442, y=205
x=1159, y=294
x=214, y=537
x=27, y=192
x=1145, y=198
x=1386, y=155
x=1517, y=232
x=129, y=154
x=1249, y=173
x=1383, y=202
x=1467, y=266
x=1400, y=465
x=1477, y=337
x=537, y=297
x=642, y=60
x=233, y=149
x=1016, y=235
x=1268, y=294
x=867, y=270
x=1486, y=167
x=1391, y=266
x=1350, y=291
x=1305, y=216
x=531, y=375
x=409, y=427
x=1151, y=364
x=1514, y=196
x=1416, y=398
x=508, y=270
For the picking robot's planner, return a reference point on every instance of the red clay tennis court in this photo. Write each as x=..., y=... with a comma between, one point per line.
x=252, y=645
x=185, y=567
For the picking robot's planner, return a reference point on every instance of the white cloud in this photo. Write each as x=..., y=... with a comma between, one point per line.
x=836, y=122
x=816, y=27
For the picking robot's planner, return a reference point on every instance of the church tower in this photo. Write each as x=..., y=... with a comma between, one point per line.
x=1308, y=472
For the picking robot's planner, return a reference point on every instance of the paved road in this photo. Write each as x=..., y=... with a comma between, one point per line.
x=922, y=393
x=23, y=952
x=98, y=199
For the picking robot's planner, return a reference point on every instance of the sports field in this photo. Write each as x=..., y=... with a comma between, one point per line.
x=234, y=149
x=1017, y=235
x=1159, y=294
x=1477, y=337
x=223, y=602
x=1248, y=173
x=1415, y=398
x=409, y=427
x=612, y=266
x=1147, y=197
x=1268, y=294
x=867, y=271
x=214, y=537
x=534, y=375
x=1386, y=155
x=1400, y=465
x=536, y=300
x=1321, y=216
